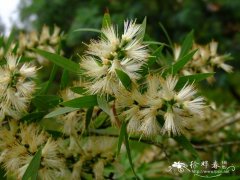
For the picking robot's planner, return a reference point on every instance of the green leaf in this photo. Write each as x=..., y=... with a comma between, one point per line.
x=32, y=169
x=88, y=30
x=141, y=35
x=60, y=61
x=48, y=83
x=192, y=78
x=64, y=79
x=184, y=142
x=88, y=117
x=9, y=41
x=78, y=90
x=181, y=63
x=1, y=40
x=103, y=104
x=100, y=119
x=151, y=61
x=155, y=42
x=129, y=154
x=33, y=117
x=46, y=102
x=166, y=34
x=82, y=102
x=60, y=111
x=106, y=22
x=121, y=137
x=186, y=45
x=124, y=78
x=2, y=173
x=55, y=134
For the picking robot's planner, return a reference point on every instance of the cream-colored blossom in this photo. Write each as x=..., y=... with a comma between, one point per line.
x=161, y=98
x=16, y=87
x=111, y=53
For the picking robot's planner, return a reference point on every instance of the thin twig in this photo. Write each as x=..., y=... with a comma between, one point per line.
x=216, y=144
x=118, y=122
x=227, y=122
x=159, y=145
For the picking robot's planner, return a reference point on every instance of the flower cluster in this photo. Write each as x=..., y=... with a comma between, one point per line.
x=20, y=143
x=160, y=99
x=112, y=52
x=16, y=87
x=205, y=60
x=45, y=41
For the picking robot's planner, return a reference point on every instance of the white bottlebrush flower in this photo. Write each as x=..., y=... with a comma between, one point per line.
x=131, y=30
x=213, y=48
x=219, y=62
x=32, y=137
x=176, y=51
x=149, y=126
x=205, y=60
x=185, y=93
x=174, y=123
x=21, y=145
x=98, y=170
x=111, y=35
x=168, y=86
x=51, y=158
x=181, y=105
x=159, y=99
x=134, y=50
x=45, y=34
x=195, y=106
x=113, y=52
x=16, y=87
x=72, y=122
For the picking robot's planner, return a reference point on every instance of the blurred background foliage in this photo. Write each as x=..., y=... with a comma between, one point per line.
x=211, y=20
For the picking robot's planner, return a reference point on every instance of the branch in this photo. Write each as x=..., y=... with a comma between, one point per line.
x=216, y=144
x=159, y=145
x=227, y=122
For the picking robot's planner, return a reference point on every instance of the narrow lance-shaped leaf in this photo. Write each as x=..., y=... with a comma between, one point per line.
x=60, y=61
x=103, y=104
x=64, y=79
x=181, y=63
x=47, y=84
x=32, y=170
x=166, y=34
x=82, y=102
x=186, y=45
x=9, y=41
x=78, y=90
x=129, y=154
x=121, y=137
x=45, y=102
x=33, y=117
x=88, y=30
x=151, y=61
x=141, y=35
x=88, y=117
x=60, y=111
x=106, y=22
x=124, y=78
x=192, y=78
x=3, y=173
